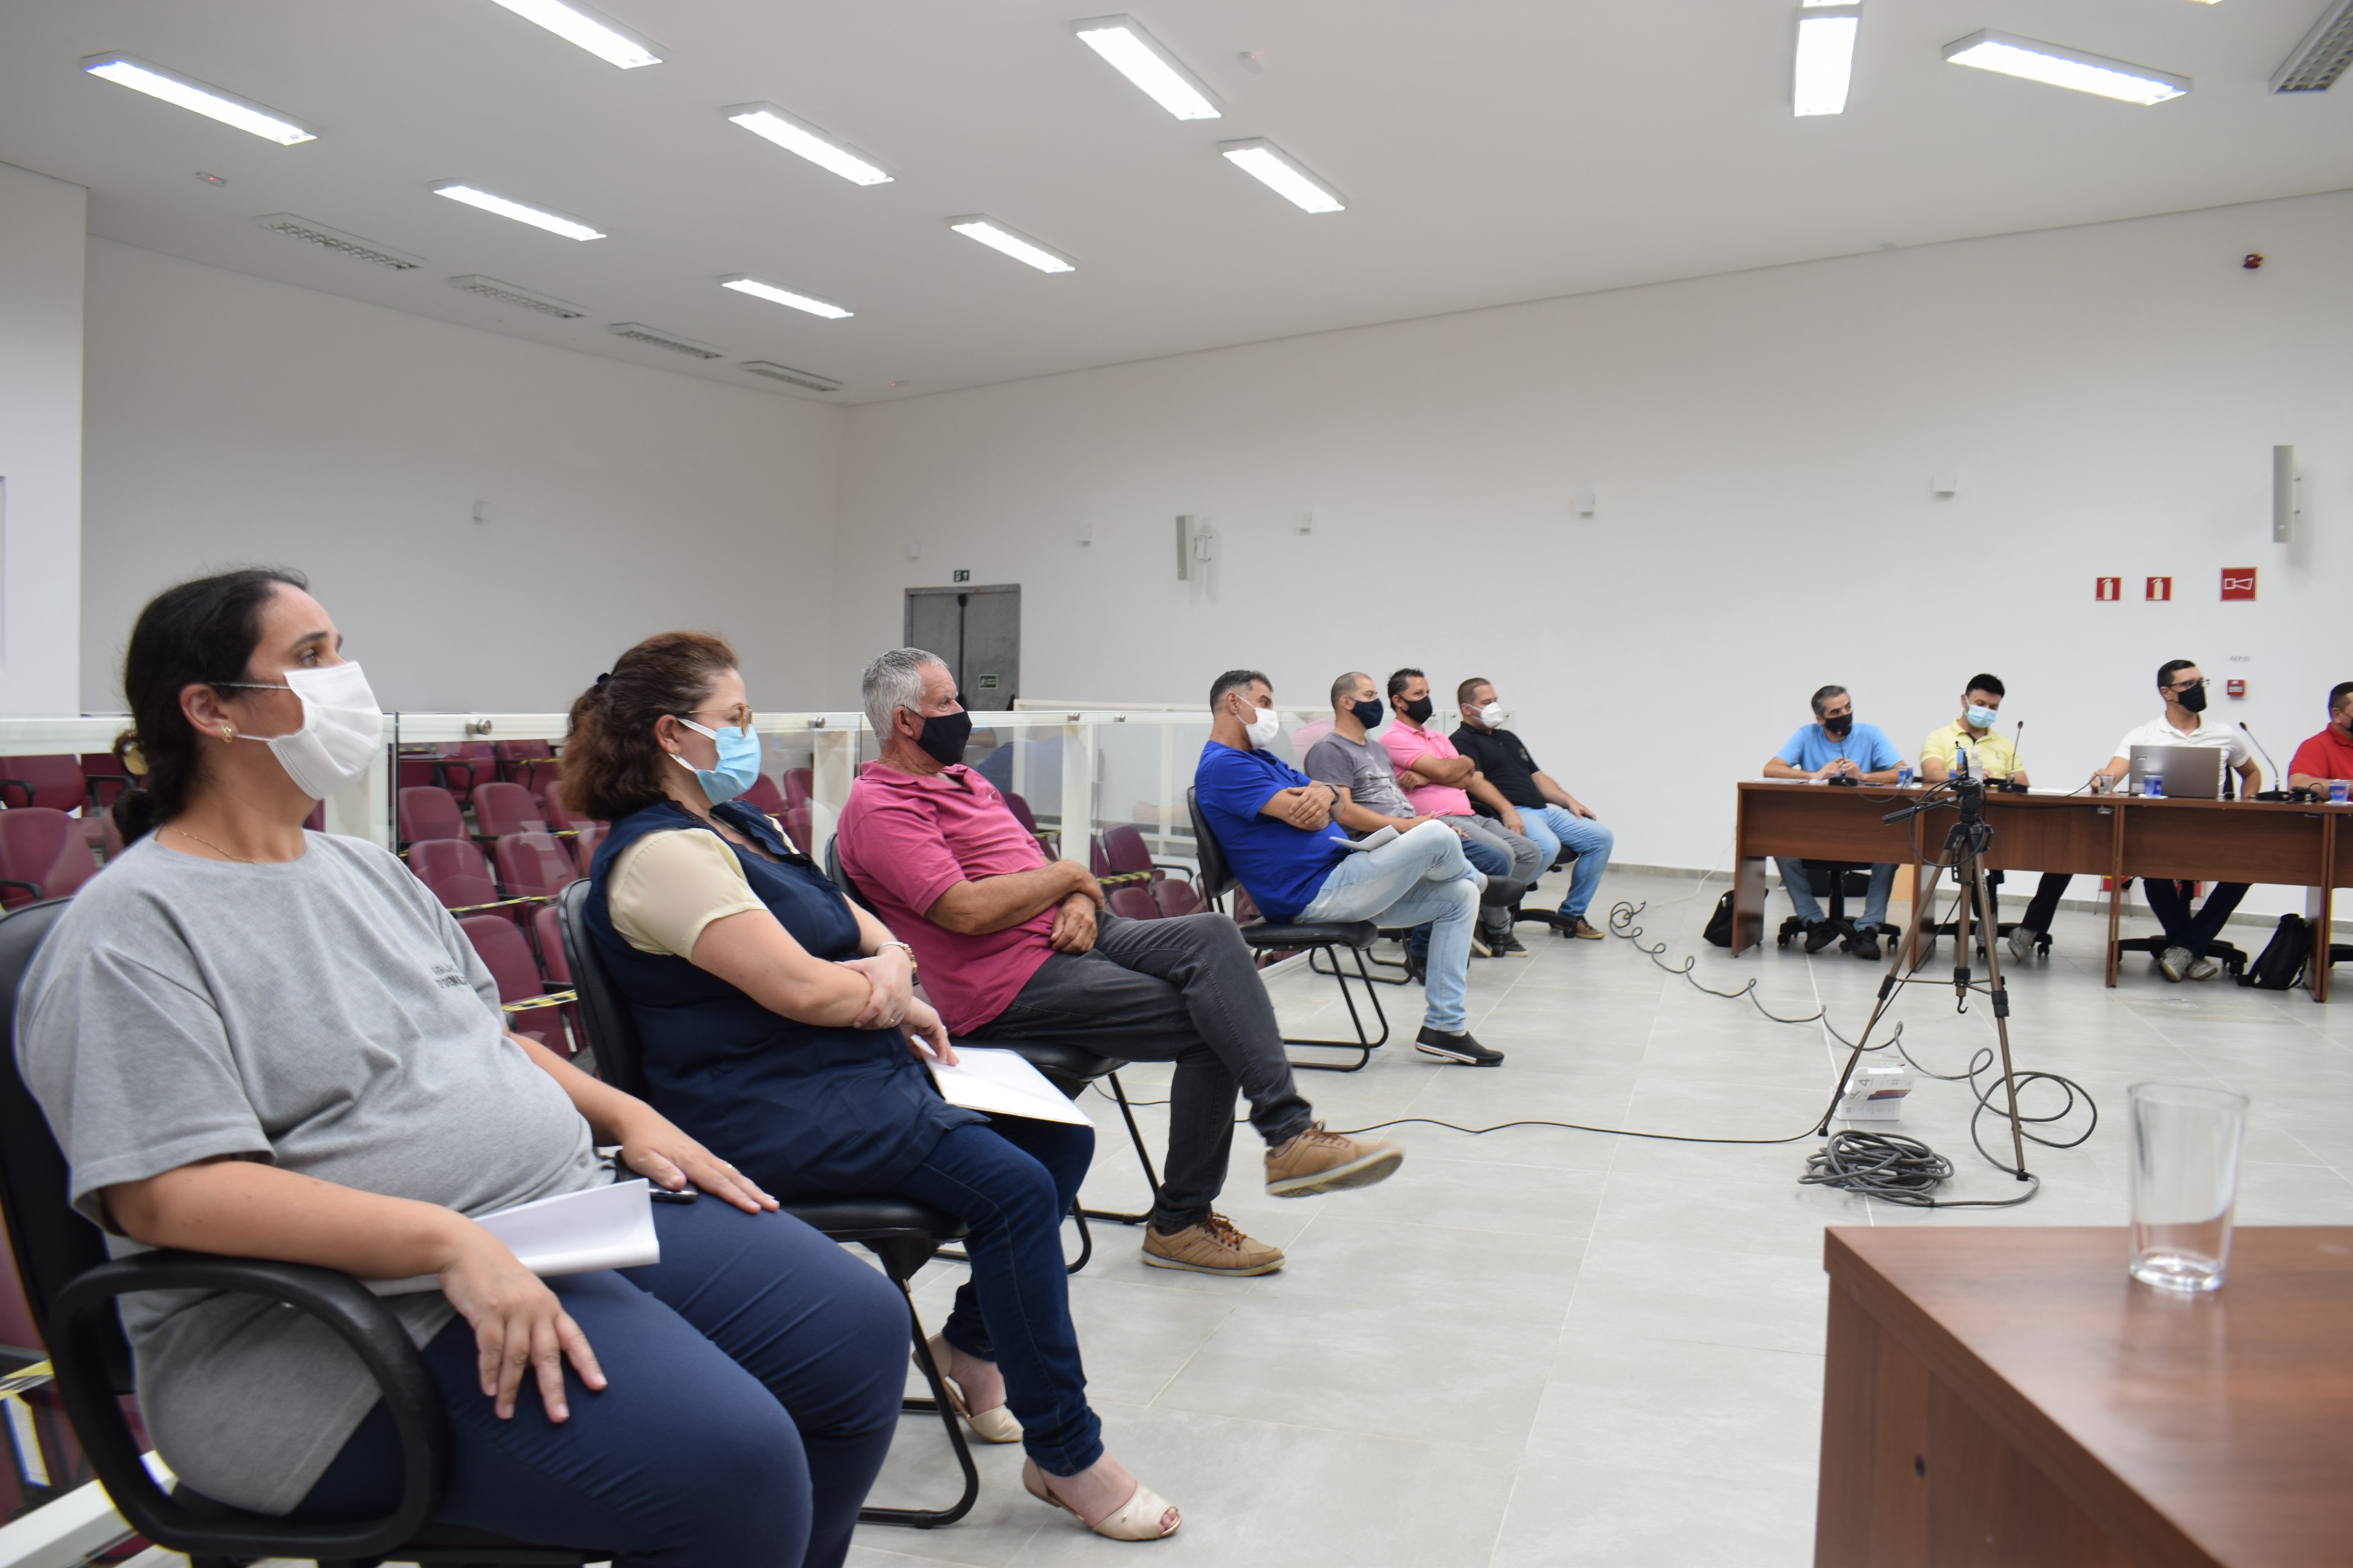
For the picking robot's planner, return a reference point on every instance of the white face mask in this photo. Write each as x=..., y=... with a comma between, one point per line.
x=1265, y=727
x=342, y=729
x=1491, y=715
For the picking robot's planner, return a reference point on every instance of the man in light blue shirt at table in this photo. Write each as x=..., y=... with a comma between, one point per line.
x=1836, y=749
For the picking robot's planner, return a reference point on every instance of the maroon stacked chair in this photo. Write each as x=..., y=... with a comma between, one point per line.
x=1021, y=810
x=1176, y=897
x=453, y=869
x=531, y=764
x=584, y=842
x=798, y=827
x=430, y=812
x=765, y=798
x=1133, y=902
x=534, y=866
x=799, y=786
x=501, y=808
x=547, y=935
x=42, y=855
x=508, y=957
x=104, y=773
x=55, y=781
x=459, y=765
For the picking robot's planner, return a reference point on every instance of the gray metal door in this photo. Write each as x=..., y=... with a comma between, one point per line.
x=976, y=632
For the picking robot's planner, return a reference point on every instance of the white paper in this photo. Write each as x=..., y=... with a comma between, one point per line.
x=998, y=1082
x=1374, y=839
x=610, y=1226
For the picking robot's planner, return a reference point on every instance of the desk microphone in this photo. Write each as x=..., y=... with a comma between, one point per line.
x=2279, y=779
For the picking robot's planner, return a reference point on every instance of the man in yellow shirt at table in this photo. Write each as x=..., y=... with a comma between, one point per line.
x=1993, y=756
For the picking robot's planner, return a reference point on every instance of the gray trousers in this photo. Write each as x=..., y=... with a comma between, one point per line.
x=1185, y=990
x=1527, y=861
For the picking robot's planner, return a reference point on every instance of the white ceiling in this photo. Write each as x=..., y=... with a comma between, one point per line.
x=1491, y=151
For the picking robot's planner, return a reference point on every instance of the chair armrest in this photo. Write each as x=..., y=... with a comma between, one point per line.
x=32, y=888
x=553, y=999
x=6, y=784
x=77, y=1327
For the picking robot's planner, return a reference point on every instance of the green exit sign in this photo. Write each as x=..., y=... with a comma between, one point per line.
x=960, y=576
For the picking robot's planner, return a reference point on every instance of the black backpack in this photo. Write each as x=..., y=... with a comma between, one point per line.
x=2281, y=963
x=1719, y=924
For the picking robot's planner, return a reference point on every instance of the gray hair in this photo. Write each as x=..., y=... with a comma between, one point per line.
x=894, y=680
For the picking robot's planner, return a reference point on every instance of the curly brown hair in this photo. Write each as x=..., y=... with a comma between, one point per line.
x=612, y=764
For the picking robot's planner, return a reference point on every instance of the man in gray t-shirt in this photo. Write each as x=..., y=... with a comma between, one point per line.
x=325, y=1015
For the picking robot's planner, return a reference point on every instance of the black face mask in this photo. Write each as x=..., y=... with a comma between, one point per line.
x=2194, y=699
x=943, y=737
x=1839, y=725
x=1367, y=712
x=1418, y=710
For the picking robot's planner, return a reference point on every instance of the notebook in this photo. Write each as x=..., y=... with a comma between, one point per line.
x=610, y=1226
x=998, y=1082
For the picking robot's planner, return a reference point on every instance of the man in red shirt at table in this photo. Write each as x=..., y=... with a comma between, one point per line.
x=2328, y=757
x=1012, y=946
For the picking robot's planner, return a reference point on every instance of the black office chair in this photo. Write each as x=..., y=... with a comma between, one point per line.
x=1836, y=880
x=1930, y=934
x=1552, y=919
x=70, y=1286
x=1268, y=935
x=1066, y=1067
x=901, y=1232
x=2230, y=955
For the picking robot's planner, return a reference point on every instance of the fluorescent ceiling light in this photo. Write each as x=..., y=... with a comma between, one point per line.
x=1269, y=165
x=2324, y=55
x=129, y=70
x=336, y=240
x=1825, y=58
x=599, y=34
x=1141, y=59
x=638, y=332
x=786, y=374
x=745, y=283
x=2072, y=68
x=516, y=294
x=1013, y=243
x=795, y=135
x=538, y=217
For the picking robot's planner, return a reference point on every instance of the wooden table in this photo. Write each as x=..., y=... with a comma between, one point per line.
x=2116, y=837
x=2007, y=1395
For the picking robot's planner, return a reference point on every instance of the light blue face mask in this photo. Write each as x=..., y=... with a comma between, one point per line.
x=739, y=763
x=1982, y=718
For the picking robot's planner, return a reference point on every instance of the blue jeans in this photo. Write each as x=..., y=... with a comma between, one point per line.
x=1012, y=1181
x=1422, y=875
x=1483, y=855
x=1554, y=826
x=754, y=1378
x=1810, y=910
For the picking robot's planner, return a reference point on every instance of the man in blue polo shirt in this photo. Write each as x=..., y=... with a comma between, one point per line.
x=1836, y=749
x=1275, y=826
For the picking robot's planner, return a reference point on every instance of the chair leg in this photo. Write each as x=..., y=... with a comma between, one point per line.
x=1143, y=1157
x=930, y=1518
x=1086, y=1241
x=1402, y=977
x=1362, y=1044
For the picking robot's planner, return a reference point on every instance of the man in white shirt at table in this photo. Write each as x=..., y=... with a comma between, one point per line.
x=2183, y=687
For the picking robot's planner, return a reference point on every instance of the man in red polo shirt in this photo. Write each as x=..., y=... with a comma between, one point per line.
x=2328, y=756
x=1012, y=946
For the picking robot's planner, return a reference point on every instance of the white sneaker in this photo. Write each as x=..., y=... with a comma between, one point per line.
x=2204, y=969
x=2174, y=963
x=2021, y=944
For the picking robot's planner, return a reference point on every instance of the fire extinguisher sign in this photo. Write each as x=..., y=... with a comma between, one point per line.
x=2107, y=590
x=2158, y=591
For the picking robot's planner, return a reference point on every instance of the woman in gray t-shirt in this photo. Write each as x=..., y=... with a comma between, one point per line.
x=262, y=1042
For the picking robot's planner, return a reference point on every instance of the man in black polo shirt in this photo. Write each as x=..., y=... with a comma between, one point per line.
x=1548, y=814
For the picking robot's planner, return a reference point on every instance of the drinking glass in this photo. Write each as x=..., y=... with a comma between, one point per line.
x=2185, y=1182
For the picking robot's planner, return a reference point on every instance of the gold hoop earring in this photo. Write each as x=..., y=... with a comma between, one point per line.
x=228, y=733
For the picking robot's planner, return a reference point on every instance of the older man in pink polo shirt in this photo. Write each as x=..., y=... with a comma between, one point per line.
x=1440, y=781
x=1012, y=947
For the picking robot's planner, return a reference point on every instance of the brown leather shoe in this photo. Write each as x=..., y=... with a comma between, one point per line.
x=1212, y=1247
x=1320, y=1162
x=1586, y=929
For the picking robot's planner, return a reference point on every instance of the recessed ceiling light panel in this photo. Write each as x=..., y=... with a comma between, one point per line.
x=592, y=30
x=1145, y=61
x=1825, y=57
x=778, y=294
x=2056, y=66
x=677, y=343
x=1012, y=242
x=516, y=294
x=786, y=374
x=2324, y=55
x=197, y=98
x=820, y=147
x=522, y=212
x=1284, y=175
x=336, y=240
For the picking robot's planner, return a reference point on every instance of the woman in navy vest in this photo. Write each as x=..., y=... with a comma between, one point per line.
x=779, y=1026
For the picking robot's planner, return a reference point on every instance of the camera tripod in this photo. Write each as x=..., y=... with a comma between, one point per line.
x=1964, y=846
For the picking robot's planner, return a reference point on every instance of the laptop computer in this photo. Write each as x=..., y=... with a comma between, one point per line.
x=2191, y=773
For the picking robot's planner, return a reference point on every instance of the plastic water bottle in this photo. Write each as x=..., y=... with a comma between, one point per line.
x=2152, y=787
x=1904, y=776
x=2336, y=791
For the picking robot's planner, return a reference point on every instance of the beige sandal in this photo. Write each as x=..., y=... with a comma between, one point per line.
x=1137, y=1518
x=995, y=1426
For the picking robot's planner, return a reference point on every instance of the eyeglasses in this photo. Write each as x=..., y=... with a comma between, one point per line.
x=739, y=716
x=2186, y=686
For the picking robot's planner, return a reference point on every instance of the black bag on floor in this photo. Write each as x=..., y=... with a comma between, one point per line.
x=2281, y=963
x=1719, y=924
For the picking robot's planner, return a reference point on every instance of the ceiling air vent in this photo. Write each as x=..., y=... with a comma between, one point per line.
x=790, y=376
x=335, y=239
x=2323, y=56
x=514, y=294
x=643, y=334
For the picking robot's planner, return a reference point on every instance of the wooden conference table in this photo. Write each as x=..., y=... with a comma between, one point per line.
x=2007, y=1395
x=2110, y=836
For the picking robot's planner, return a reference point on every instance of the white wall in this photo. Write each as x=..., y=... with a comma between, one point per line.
x=41, y=223
x=1762, y=445
x=234, y=420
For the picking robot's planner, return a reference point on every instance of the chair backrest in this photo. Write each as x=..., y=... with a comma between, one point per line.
x=800, y=785
x=50, y=1242
x=797, y=827
x=44, y=846
x=585, y=839
x=1124, y=849
x=559, y=815
x=524, y=752
x=764, y=797
x=454, y=871
x=103, y=772
x=1098, y=862
x=462, y=764
x=1176, y=897
x=501, y=808
x=842, y=877
x=53, y=780
x=547, y=931
x=428, y=812
x=504, y=952
x=1134, y=903
x=1021, y=810
x=1216, y=875
x=609, y=1033
x=533, y=864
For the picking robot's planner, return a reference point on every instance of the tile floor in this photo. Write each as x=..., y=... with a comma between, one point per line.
x=1539, y=1347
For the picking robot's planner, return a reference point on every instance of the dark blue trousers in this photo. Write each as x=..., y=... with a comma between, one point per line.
x=754, y=1379
x=2169, y=902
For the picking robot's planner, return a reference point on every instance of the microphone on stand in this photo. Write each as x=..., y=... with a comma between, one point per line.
x=2017, y=734
x=2279, y=779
